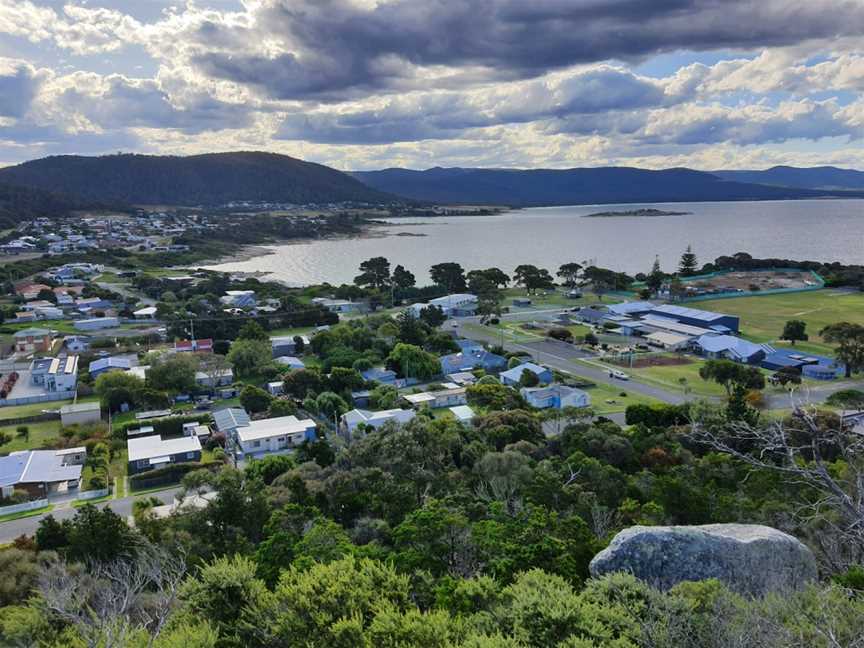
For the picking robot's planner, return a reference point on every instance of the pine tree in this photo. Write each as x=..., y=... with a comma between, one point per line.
x=688, y=265
x=656, y=276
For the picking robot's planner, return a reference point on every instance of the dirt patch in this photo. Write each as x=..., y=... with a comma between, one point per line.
x=753, y=281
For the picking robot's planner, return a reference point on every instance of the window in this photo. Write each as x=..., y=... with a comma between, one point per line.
x=190, y=455
x=257, y=444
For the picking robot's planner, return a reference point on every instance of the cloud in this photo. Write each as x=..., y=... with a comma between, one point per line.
x=19, y=83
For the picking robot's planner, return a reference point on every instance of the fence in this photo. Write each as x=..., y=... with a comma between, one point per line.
x=42, y=398
x=820, y=283
x=93, y=494
x=26, y=506
x=36, y=418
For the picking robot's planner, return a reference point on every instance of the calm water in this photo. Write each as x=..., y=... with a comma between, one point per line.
x=825, y=230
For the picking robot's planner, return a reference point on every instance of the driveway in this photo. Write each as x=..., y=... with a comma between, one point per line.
x=122, y=507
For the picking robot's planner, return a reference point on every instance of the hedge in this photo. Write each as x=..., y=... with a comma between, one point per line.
x=170, y=474
x=655, y=416
x=167, y=426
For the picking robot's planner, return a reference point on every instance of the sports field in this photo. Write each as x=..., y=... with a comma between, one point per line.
x=763, y=317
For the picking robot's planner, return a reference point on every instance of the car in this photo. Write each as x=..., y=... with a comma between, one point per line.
x=618, y=375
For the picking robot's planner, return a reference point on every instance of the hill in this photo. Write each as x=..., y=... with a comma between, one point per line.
x=21, y=203
x=602, y=185
x=211, y=179
x=824, y=177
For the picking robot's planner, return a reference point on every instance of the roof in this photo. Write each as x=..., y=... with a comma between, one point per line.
x=419, y=399
x=550, y=390
x=147, y=310
x=33, y=466
x=630, y=308
x=670, y=339
x=81, y=407
x=32, y=332
x=515, y=373
x=266, y=428
x=153, y=447
x=462, y=412
x=116, y=362
x=290, y=361
x=668, y=324
x=450, y=301
x=377, y=373
x=230, y=418
x=728, y=343
x=357, y=416
x=693, y=313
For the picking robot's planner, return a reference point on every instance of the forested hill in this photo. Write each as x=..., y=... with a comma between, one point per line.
x=602, y=185
x=22, y=203
x=824, y=177
x=210, y=179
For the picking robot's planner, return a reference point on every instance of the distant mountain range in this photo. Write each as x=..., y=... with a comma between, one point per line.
x=603, y=185
x=211, y=179
x=825, y=177
x=20, y=203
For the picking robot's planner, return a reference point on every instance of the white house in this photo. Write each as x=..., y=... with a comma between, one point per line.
x=55, y=374
x=274, y=434
x=450, y=397
x=555, y=396
x=97, y=323
x=350, y=420
x=146, y=313
x=218, y=378
x=77, y=413
x=463, y=413
x=457, y=305
x=150, y=452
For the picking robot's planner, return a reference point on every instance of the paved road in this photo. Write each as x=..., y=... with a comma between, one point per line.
x=123, y=507
x=562, y=356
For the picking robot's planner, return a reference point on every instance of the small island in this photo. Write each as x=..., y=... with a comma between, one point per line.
x=636, y=212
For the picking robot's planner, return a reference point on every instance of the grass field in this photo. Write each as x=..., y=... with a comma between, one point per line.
x=31, y=409
x=763, y=317
x=607, y=399
x=39, y=433
x=557, y=299
x=669, y=377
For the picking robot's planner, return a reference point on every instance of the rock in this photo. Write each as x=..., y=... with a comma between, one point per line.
x=749, y=558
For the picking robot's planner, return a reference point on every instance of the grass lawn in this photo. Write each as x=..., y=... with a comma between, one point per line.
x=26, y=514
x=31, y=409
x=291, y=332
x=669, y=377
x=763, y=317
x=557, y=299
x=39, y=433
x=617, y=403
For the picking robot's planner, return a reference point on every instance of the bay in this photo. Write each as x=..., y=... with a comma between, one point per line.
x=821, y=230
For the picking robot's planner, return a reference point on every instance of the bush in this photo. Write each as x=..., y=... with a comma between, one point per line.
x=563, y=334
x=166, y=475
x=167, y=426
x=254, y=399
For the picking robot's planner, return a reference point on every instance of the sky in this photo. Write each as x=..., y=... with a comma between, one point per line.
x=369, y=84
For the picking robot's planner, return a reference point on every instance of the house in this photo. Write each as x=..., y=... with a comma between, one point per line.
x=730, y=347
x=150, y=452
x=291, y=362
x=276, y=388
x=55, y=374
x=380, y=375
x=463, y=378
x=591, y=315
x=239, y=298
x=512, y=376
x=87, y=304
x=668, y=341
x=25, y=316
x=76, y=343
x=48, y=313
x=264, y=436
x=472, y=356
x=350, y=421
x=33, y=340
x=450, y=397
x=286, y=345
x=194, y=346
x=463, y=413
x=146, y=313
x=458, y=305
x=77, y=413
x=631, y=309
x=219, y=378
x=229, y=419
x=40, y=473
x=555, y=397
x=339, y=305
x=719, y=322
x=114, y=363
x=30, y=290
x=97, y=323
x=810, y=366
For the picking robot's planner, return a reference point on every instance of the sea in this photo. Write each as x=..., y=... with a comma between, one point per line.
x=820, y=230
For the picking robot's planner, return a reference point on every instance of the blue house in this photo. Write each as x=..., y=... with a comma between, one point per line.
x=117, y=363
x=511, y=376
x=555, y=397
x=810, y=366
x=730, y=348
x=470, y=358
x=380, y=375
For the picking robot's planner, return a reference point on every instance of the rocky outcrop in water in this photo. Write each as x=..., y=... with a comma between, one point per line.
x=749, y=559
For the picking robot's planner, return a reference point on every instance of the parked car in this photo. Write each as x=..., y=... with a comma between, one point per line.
x=618, y=375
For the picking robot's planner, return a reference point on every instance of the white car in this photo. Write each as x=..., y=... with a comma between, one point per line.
x=619, y=375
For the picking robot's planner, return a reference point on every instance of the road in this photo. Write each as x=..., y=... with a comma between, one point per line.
x=122, y=507
x=562, y=356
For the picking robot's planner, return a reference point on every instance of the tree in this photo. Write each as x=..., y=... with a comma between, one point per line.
x=384, y=397
x=533, y=278
x=249, y=356
x=449, y=276
x=115, y=388
x=849, y=339
x=656, y=277
x=174, y=374
x=410, y=330
x=433, y=316
x=402, y=278
x=299, y=345
x=303, y=383
x=374, y=273
x=252, y=330
x=489, y=297
x=569, y=273
x=331, y=405
x=731, y=374
x=413, y=362
x=344, y=379
x=214, y=366
x=254, y=399
x=495, y=275
x=795, y=331
x=603, y=280
x=688, y=265
x=847, y=399
x=528, y=379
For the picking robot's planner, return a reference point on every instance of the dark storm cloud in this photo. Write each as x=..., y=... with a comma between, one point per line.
x=335, y=49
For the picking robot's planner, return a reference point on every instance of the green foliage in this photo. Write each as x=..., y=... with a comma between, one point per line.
x=249, y=356
x=254, y=399
x=173, y=373
x=115, y=388
x=413, y=362
x=795, y=331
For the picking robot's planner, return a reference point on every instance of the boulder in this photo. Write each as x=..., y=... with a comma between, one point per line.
x=750, y=559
